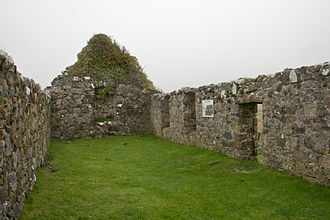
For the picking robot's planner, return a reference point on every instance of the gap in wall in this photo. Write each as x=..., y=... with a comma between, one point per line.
x=260, y=127
x=251, y=125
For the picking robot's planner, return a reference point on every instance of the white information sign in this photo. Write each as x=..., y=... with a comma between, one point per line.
x=208, y=109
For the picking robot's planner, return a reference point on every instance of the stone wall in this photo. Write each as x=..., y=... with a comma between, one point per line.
x=78, y=110
x=72, y=111
x=296, y=115
x=294, y=135
x=24, y=136
x=160, y=113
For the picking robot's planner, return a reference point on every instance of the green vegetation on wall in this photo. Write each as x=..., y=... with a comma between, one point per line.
x=2, y=99
x=105, y=118
x=104, y=59
x=103, y=93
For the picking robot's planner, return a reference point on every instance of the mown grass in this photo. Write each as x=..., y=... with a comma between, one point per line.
x=143, y=177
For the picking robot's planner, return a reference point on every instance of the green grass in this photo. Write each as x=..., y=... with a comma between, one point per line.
x=143, y=177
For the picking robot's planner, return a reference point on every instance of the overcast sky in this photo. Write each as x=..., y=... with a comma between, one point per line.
x=179, y=43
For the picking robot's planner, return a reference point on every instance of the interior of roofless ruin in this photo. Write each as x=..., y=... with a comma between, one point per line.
x=280, y=119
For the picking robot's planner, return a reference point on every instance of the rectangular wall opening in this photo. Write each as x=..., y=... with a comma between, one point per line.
x=165, y=112
x=260, y=127
x=189, y=114
x=250, y=130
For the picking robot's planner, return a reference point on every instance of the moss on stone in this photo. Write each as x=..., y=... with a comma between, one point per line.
x=104, y=59
x=104, y=93
x=2, y=100
x=105, y=118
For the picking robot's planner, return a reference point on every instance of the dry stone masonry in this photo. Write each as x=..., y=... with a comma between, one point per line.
x=105, y=92
x=79, y=111
x=296, y=115
x=283, y=118
x=24, y=136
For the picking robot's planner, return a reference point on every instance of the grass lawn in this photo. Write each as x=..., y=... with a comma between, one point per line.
x=143, y=177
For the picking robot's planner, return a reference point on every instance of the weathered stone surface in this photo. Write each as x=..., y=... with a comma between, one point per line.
x=296, y=119
x=327, y=104
x=6, y=57
x=325, y=72
x=324, y=162
x=309, y=110
x=2, y=146
x=234, y=89
x=79, y=110
x=293, y=76
x=24, y=127
x=12, y=181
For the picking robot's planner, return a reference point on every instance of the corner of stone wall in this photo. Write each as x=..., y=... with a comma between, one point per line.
x=296, y=112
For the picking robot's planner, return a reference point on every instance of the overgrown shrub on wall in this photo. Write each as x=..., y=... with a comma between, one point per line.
x=105, y=83
x=104, y=59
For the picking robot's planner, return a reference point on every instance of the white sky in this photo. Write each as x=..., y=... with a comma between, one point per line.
x=178, y=42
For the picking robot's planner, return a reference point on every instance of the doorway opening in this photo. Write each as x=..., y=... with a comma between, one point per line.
x=165, y=112
x=189, y=114
x=250, y=130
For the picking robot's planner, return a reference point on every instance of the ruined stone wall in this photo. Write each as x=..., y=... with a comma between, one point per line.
x=296, y=114
x=156, y=114
x=72, y=109
x=24, y=136
x=79, y=111
x=297, y=123
x=182, y=117
x=160, y=115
